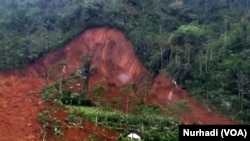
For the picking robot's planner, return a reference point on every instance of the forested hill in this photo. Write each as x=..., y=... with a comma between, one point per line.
x=204, y=44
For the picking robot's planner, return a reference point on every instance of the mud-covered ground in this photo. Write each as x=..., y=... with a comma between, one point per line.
x=113, y=55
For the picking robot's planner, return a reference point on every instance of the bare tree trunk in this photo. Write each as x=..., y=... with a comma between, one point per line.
x=177, y=60
x=170, y=56
x=201, y=62
x=46, y=78
x=96, y=118
x=161, y=57
x=145, y=98
x=211, y=53
x=206, y=59
x=240, y=91
x=206, y=8
x=200, y=66
x=60, y=85
x=225, y=36
x=127, y=104
x=241, y=100
x=188, y=52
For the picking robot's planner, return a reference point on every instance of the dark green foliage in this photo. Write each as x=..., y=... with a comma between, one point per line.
x=45, y=117
x=58, y=128
x=49, y=124
x=51, y=93
x=147, y=109
x=87, y=70
x=46, y=120
x=76, y=100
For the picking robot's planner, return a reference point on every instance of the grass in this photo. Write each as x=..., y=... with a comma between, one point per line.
x=154, y=127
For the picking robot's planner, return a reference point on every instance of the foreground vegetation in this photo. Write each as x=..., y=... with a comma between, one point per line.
x=204, y=44
x=155, y=127
x=150, y=120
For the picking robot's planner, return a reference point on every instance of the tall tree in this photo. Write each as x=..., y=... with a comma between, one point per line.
x=98, y=91
x=87, y=70
x=128, y=91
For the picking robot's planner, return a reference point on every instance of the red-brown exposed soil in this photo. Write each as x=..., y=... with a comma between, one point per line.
x=19, y=105
x=164, y=94
x=84, y=132
x=20, y=101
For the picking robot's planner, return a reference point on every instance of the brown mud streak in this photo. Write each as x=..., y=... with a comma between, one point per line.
x=112, y=53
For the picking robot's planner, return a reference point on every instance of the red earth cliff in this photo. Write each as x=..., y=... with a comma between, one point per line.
x=112, y=53
x=20, y=101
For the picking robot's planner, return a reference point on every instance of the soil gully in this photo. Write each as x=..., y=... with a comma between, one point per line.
x=112, y=53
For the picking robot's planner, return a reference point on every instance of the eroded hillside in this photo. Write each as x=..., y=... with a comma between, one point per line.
x=113, y=55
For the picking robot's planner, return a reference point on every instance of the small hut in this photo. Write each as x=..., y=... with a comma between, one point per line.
x=134, y=135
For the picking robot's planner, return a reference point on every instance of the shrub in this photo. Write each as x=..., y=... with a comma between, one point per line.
x=76, y=100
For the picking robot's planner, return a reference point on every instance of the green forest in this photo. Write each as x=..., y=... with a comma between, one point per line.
x=204, y=44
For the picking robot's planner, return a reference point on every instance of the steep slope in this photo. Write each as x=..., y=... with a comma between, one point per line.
x=20, y=101
x=112, y=54
x=164, y=94
x=110, y=51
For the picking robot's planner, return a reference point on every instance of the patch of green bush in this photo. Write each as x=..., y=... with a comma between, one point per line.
x=76, y=100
